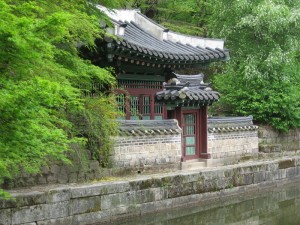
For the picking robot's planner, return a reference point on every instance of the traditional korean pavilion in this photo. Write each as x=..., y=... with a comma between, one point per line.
x=146, y=58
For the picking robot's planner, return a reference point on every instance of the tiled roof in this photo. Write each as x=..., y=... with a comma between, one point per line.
x=148, y=127
x=136, y=39
x=230, y=124
x=168, y=127
x=187, y=90
x=142, y=38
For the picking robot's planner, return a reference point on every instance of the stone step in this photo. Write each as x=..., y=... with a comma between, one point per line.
x=193, y=164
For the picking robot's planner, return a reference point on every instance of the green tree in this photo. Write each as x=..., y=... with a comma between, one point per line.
x=40, y=75
x=184, y=16
x=262, y=78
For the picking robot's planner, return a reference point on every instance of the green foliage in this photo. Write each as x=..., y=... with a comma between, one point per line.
x=183, y=27
x=184, y=16
x=40, y=72
x=262, y=77
x=4, y=194
x=98, y=126
x=113, y=4
x=180, y=10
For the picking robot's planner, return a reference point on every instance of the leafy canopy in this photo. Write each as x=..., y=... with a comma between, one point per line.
x=262, y=78
x=40, y=70
x=184, y=16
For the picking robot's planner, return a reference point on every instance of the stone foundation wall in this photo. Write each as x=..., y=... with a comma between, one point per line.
x=271, y=140
x=57, y=173
x=228, y=146
x=150, y=146
x=147, y=152
x=109, y=201
x=82, y=169
x=130, y=154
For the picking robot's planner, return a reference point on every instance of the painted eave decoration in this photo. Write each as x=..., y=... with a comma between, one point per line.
x=187, y=90
x=142, y=41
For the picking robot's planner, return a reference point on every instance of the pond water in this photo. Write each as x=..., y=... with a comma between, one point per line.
x=274, y=207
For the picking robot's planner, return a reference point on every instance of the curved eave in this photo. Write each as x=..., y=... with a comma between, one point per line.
x=137, y=44
x=126, y=49
x=187, y=97
x=141, y=39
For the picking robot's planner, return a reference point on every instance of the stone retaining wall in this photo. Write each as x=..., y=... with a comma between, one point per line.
x=130, y=154
x=231, y=138
x=227, y=147
x=251, y=208
x=149, y=146
x=108, y=201
x=142, y=152
x=271, y=140
x=57, y=172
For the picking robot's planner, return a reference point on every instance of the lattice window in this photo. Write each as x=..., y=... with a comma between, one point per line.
x=158, y=112
x=140, y=95
x=139, y=107
x=146, y=107
x=121, y=101
x=134, y=108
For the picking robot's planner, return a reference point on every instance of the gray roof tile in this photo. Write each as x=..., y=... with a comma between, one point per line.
x=148, y=127
x=189, y=89
x=142, y=36
x=230, y=124
x=168, y=127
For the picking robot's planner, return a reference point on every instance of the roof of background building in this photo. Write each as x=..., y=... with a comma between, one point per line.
x=142, y=39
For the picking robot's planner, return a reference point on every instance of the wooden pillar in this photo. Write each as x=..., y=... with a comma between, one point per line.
x=203, y=133
x=178, y=115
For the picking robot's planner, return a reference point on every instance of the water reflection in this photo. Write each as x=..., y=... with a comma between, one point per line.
x=278, y=207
